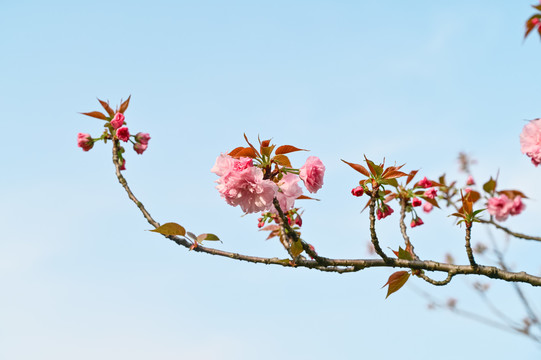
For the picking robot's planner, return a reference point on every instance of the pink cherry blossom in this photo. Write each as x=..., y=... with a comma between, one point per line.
x=424, y=182
x=358, y=191
x=530, y=141
x=123, y=134
x=416, y=202
x=118, y=120
x=312, y=174
x=500, y=207
x=288, y=192
x=248, y=189
x=85, y=141
x=427, y=207
x=142, y=138
x=140, y=148
x=431, y=193
x=224, y=164
x=518, y=206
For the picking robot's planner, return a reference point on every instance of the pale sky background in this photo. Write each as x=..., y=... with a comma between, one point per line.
x=414, y=82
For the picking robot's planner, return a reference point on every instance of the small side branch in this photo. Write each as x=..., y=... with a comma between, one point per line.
x=429, y=280
x=468, y=245
x=512, y=233
x=373, y=234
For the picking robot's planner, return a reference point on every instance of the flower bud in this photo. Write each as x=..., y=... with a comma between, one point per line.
x=85, y=141
x=118, y=120
x=358, y=191
x=142, y=138
x=416, y=202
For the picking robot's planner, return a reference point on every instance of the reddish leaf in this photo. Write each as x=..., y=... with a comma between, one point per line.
x=246, y=152
x=124, y=105
x=255, y=150
x=270, y=228
x=265, y=143
x=394, y=174
x=234, y=152
x=411, y=176
x=304, y=197
x=511, y=194
x=96, y=114
x=396, y=281
x=286, y=149
x=374, y=169
x=431, y=201
x=359, y=168
x=473, y=196
x=282, y=160
x=107, y=108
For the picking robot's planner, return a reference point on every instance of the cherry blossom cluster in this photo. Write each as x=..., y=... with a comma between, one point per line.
x=501, y=206
x=530, y=141
x=116, y=129
x=252, y=179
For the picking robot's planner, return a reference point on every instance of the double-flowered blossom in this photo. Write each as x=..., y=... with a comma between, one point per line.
x=501, y=206
x=123, y=134
x=530, y=141
x=289, y=190
x=312, y=174
x=242, y=184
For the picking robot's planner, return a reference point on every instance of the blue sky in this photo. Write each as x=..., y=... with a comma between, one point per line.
x=414, y=82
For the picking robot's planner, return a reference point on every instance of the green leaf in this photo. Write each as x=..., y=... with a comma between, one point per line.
x=489, y=186
x=207, y=237
x=170, y=229
x=404, y=255
x=392, y=182
x=296, y=248
x=374, y=169
x=396, y=281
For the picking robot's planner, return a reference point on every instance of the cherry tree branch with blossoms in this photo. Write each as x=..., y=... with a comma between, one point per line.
x=263, y=180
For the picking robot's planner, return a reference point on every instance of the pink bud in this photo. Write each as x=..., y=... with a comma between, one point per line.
x=123, y=167
x=470, y=181
x=534, y=21
x=379, y=214
x=416, y=202
x=358, y=191
x=427, y=207
x=123, y=134
x=431, y=193
x=424, y=183
x=118, y=120
x=298, y=221
x=142, y=138
x=85, y=141
x=140, y=148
